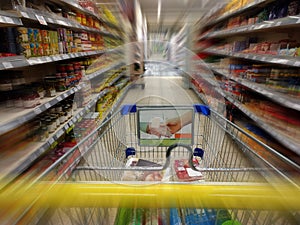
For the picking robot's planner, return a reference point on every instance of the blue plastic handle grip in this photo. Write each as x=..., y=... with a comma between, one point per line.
x=204, y=109
x=126, y=109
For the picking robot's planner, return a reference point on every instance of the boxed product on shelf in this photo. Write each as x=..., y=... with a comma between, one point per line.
x=8, y=41
x=286, y=121
x=261, y=135
x=258, y=73
x=89, y=5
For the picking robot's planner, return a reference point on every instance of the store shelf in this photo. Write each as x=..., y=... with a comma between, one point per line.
x=74, y=4
x=20, y=61
x=252, y=5
x=117, y=102
x=104, y=70
x=280, y=136
x=283, y=99
x=45, y=18
x=287, y=22
x=69, y=125
x=8, y=19
x=19, y=160
x=200, y=95
x=275, y=59
x=109, y=84
x=12, y=118
x=277, y=134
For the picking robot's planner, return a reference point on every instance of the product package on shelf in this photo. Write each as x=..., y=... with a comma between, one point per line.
x=285, y=120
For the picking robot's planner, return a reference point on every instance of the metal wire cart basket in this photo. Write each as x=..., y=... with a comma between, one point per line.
x=134, y=169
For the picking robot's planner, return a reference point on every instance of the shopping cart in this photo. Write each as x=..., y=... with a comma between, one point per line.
x=209, y=156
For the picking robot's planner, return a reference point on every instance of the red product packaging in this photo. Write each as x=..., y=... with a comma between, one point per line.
x=184, y=172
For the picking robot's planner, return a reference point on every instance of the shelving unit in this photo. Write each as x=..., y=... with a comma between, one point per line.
x=45, y=18
x=212, y=20
x=283, y=99
x=14, y=62
x=275, y=59
x=221, y=34
x=8, y=19
x=24, y=154
x=18, y=161
x=286, y=22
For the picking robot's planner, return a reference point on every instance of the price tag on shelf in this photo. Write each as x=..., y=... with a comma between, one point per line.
x=59, y=133
x=61, y=22
x=298, y=21
x=69, y=129
x=25, y=15
x=37, y=111
x=2, y=20
x=51, y=141
x=50, y=20
x=8, y=20
x=268, y=25
x=66, y=127
x=47, y=59
x=54, y=144
x=65, y=95
x=278, y=23
x=31, y=61
x=59, y=98
x=56, y=58
x=47, y=105
x=65, y=56
x=7, y=65
x=297, y=63
x=41, y=19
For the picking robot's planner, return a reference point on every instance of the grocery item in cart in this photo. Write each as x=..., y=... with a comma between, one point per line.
x=185, y=173
x=133, y=175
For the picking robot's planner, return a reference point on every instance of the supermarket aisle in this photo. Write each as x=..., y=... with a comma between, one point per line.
x=161, y=91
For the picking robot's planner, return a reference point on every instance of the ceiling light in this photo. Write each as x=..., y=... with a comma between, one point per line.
x=158, y=11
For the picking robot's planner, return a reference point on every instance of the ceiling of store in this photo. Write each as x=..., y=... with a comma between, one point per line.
x=174, y=13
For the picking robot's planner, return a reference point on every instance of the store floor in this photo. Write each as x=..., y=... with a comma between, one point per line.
x=162, y=90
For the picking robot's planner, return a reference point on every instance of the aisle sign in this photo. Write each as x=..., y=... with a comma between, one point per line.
x=41, y=19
